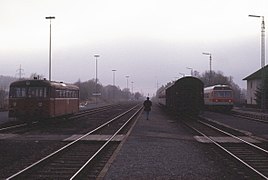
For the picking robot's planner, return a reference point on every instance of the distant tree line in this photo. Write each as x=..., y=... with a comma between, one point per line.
x=4, y=88
x=109, y=93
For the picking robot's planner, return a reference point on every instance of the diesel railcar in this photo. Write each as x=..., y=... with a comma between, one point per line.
x=184, y=97
x=218, y=97
x=42, y=99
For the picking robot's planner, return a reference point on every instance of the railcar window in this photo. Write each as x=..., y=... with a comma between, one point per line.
x=45, y=92
x=17, y=92
x=73, y=94
x=223, y=94
x=31, y=92
x=37, y=92
x=57, y=93
x=66, y=93
x=23, y=92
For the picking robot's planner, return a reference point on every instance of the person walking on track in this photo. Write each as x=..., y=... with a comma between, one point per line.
x=147, y=104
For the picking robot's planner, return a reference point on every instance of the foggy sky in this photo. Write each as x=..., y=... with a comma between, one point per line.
x=151, y=41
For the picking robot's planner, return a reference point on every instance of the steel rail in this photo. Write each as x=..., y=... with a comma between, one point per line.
x=13, y=127
x=105, y=144
x=235, y=137
x=230, y=153
x=91, y=111
x=79, y=114
x=67, y=145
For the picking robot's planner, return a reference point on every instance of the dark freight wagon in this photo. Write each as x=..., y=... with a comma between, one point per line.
x=186, y=96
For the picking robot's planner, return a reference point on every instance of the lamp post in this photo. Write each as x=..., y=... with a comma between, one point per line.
x=210, y=62
x=191, y=70
x=50, y=17
x=128, y=92
x=96, y=90
x=263, y=106
x=132, y=87
x=114, y=70
x=262, y=39
x=127, y=76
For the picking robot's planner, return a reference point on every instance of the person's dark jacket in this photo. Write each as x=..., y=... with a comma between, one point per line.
x=147, y=105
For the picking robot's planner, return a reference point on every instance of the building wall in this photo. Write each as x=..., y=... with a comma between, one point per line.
x=252, y=86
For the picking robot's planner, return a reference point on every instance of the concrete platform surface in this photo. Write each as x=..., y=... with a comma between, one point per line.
x=163, y=148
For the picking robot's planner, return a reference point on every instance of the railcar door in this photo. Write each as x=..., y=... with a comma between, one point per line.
x=52, y=96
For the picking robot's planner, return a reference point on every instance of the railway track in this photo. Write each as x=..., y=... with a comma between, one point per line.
x=71, y=161
x=241, y=149
x=80, y=114
x=13, y=127
x=93, y=111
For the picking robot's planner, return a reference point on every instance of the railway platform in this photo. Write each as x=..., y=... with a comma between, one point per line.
x=164, y=148
x=251, y=113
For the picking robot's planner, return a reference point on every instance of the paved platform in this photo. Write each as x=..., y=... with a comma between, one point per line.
x=251, y=113
x=163, y=148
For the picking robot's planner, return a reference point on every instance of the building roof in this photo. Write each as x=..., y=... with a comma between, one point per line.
x=257, y=74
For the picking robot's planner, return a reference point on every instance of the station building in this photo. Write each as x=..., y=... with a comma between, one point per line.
x=253, y=83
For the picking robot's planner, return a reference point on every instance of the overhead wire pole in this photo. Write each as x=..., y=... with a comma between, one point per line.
x=263, y=106
x=20, y=72
x=50, y=17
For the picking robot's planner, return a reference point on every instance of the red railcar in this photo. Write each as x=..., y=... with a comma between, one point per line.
x=219, y=97
x=42, y=99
